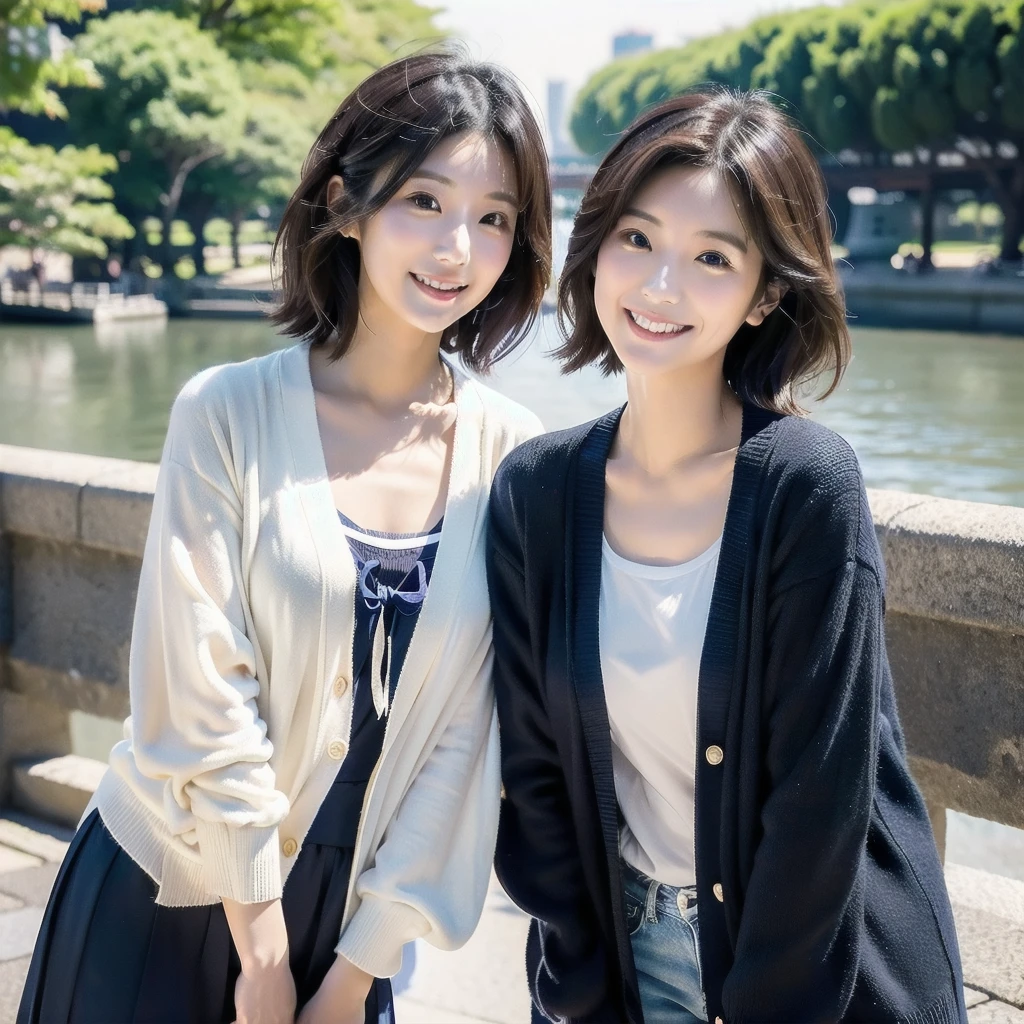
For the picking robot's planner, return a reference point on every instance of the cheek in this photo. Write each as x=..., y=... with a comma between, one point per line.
x=490, y=254
x=730, y=292
x=390, y=238
x=616, y=273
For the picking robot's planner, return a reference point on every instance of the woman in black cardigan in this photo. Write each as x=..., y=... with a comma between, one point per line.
x=760, y=770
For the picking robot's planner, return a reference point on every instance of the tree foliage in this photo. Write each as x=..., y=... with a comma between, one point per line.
x=32, y=66
x=882, y=74
x=171, y=100
x=209, y=105
x=57, y=198
x=289, y=31
x=351, y=37
x=50, y=197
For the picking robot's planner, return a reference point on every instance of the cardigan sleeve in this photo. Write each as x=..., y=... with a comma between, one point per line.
x=797, y=946
x=430, y=873
x=538, y=860
x=195, y=723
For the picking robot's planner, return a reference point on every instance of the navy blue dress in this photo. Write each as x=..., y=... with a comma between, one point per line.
x=106, y=953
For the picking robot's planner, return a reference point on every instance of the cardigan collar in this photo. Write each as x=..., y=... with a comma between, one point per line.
x=465, y=505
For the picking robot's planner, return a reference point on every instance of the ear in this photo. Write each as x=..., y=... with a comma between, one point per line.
x=335, y=190
x=770, y=298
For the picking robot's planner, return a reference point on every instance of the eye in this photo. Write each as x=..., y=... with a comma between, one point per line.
x=425, y=201
x=714, y=259
x=637, y=239
x=496, y=220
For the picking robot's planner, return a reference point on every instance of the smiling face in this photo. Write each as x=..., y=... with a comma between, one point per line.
x=435, y=250
x=678, y=274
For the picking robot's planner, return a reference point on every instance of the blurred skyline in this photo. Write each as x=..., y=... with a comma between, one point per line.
x=550, y=40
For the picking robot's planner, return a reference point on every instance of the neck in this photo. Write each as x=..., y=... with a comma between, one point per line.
x=389, y=363
x=672, y=417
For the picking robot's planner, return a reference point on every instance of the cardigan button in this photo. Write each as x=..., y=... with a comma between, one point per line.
x=340, y=686
x=719, y=892
x=289, y=847
x=336, y=749
x=714, y=754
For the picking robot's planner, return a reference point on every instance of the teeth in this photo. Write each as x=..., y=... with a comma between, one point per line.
x=655, y=327
x=439, y=285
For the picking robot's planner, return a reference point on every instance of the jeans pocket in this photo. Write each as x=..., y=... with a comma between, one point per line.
x=635, y=912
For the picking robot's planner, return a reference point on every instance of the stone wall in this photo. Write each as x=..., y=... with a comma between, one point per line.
x=955, y=630
x=72, y=530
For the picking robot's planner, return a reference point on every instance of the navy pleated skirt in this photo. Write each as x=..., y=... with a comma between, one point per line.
x=107, y=954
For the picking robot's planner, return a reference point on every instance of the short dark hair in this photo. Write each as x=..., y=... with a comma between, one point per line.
x=778, y=184
x=389, y=124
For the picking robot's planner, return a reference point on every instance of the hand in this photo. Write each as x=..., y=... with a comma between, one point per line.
x=266, y=996
x=265, y=990
x=341, y=998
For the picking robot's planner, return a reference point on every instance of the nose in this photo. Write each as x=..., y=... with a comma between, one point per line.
x=454, y=248
x=662, y=286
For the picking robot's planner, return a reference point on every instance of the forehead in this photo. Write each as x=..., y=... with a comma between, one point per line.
x=690, y=195
x=472, y=159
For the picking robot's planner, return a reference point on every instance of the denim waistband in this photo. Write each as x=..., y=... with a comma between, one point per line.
x=658, y=897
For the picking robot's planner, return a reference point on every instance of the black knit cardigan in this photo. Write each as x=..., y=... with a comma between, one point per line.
x=820, y=892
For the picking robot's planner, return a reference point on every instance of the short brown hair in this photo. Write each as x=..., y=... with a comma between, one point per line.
x=781, y=193
x=390, y=123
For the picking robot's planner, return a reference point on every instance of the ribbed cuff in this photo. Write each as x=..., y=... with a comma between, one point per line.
x=240, y=864
x=375, y=936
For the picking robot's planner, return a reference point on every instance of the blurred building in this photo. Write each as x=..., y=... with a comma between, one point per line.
x=879, y=222
x=628, y=43
x=560, y=145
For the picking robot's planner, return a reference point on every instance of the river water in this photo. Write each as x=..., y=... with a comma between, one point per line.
x=933, y=413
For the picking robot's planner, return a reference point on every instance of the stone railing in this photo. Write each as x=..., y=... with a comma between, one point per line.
x=73, y=529
x=955, y=632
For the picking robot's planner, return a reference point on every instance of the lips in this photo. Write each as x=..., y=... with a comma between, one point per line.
x=441, y=291
x=651, y=329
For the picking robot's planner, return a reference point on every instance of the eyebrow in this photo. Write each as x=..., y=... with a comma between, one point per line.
x=635, y=211
x=722, y=236
x=503, y=197
x=727, y=237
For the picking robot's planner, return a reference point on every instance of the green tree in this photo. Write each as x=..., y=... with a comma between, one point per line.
x=353, y=36
x=56, y=198
x=374, y=32
x=290, y=31
x=171, y=100
x=49, y=197
x=262, y=170
x=31, y=66
x=288, y=98
x=873, y=76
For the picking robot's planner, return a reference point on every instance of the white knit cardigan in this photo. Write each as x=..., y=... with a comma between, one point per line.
x=241, y=653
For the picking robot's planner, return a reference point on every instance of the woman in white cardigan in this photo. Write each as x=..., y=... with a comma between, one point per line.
x=309, y=777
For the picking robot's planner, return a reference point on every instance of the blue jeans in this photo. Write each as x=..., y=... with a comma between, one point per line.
x=662, y=924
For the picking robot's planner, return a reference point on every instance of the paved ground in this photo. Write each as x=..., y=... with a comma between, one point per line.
x=484, y=983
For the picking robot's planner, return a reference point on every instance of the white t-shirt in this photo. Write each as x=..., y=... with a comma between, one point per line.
x=652, y=624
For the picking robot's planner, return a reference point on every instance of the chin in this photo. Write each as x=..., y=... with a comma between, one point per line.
x=429, y=321
x=646, y=359
x=432, y=325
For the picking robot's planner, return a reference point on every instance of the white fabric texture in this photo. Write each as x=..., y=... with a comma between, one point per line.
x=652, y=624
x=243, y=625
